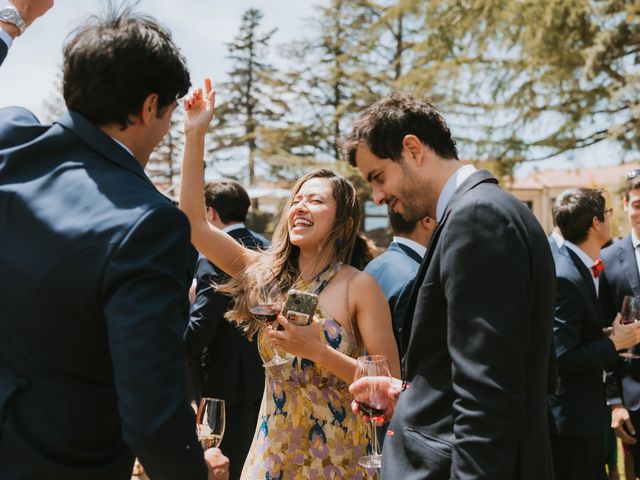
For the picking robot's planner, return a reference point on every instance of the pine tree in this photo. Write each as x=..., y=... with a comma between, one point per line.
x=248, y=102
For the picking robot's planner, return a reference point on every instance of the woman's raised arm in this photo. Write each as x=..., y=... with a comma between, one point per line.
x=212, y=242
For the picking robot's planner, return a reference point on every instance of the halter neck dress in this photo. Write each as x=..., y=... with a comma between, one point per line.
x=306, y=429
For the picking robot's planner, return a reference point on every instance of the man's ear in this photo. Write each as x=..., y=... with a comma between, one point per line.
x=149, y=108
x=414, y=147
x=211, y=213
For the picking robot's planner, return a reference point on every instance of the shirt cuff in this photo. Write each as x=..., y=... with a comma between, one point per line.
x=613, y=401
x=6, y=38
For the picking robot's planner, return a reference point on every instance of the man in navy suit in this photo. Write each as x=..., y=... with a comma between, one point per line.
x=16, y=17
x=620, y=278
x=476, y=351
x=229, y=365
x=396, y=268
x=93, y=291
x=582, y=349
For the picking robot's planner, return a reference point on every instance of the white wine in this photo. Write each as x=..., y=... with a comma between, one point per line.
x=210, y=441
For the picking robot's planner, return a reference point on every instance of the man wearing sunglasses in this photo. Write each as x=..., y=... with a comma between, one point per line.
x=621, y=278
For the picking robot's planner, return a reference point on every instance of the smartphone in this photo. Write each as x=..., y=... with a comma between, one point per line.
x=300, y=307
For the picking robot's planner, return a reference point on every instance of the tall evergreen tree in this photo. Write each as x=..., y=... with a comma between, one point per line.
x=248, y=102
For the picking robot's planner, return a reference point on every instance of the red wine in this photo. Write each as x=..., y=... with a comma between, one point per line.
x=371, y=411
x=265, y=313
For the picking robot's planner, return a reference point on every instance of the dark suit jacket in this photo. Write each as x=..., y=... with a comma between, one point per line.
x=3, y=51
x=231, y=367
x=92, y=294
x=619, y=278
x=582, y=350
x=478, y=346
x=395, y=271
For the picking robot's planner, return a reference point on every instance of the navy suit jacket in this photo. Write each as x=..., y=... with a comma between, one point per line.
x=395, y=271
x=619, y=278
x=230, y=365
x=582, y=350
x=3, y=51
x=93, y=295
x=477, y=346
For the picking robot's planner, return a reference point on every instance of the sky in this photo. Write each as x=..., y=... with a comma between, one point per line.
x=201, y=28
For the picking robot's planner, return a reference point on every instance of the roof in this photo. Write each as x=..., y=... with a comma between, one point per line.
x=593, y=177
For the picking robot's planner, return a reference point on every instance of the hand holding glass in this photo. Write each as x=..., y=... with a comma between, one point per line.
x=265, y=306
x=370, y=400
x=210, y=421
x=630, y=313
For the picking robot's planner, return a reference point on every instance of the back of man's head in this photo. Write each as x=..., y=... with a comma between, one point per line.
x=574, y=211
x=113, y=63
x=229, y=199
x=399, y=225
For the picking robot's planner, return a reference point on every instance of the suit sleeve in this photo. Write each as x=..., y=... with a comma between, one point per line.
x=4, y=45
x=486, y=281
x=207, y=311
x=613, y=379
x=575, y=355
x=144, y=292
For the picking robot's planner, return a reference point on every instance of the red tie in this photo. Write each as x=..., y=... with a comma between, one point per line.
x=597, y=267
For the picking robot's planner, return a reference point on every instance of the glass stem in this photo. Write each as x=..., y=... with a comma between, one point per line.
x=375, y=450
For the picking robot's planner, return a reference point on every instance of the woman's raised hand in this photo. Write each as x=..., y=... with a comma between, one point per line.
x=199, y=107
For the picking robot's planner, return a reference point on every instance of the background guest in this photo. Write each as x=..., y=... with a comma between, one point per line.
x=396, y=268
x=582, y=349
x=620, y=278
x=228, y=364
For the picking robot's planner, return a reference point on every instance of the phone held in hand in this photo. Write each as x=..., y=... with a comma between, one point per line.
x=300, y=307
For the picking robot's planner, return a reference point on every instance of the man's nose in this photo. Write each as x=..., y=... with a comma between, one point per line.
x=378, y=196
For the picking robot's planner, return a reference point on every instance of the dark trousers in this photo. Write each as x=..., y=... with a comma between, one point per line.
x=635, y=449
x=240, y=425
x=578, y=458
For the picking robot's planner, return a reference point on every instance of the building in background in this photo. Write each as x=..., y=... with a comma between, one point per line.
x=539, y=190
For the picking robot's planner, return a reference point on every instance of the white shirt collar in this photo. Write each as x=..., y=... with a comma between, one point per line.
x=584, y=258
x=123, y=146
x=634, y=238
x=557, y=237
x=6, y=38
x=413, y=245
x=231, y=228
x=450, y=188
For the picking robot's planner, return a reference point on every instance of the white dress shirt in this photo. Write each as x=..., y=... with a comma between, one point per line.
x=635, y=241
x=6, y=38
x=415, y=246
x=450, y=188
x=586, y=259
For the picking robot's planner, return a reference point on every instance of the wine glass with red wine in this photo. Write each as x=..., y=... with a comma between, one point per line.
x=210, y=421
x=630, y=313
x=265, y=306
x=370, y=401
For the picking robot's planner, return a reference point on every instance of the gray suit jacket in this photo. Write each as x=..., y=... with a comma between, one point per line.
x=619, y=278
x=478, y=346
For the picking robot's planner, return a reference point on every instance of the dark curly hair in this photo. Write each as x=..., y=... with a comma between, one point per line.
x=385, y=123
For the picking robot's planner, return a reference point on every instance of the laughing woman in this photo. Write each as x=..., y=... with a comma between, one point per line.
x=306, y=428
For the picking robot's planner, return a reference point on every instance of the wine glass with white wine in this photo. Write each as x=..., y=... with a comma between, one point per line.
x=210, y=421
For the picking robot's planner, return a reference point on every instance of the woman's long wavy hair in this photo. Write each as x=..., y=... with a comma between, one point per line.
x=280, y=261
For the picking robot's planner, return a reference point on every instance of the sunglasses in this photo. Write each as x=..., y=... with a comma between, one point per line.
x=633, y=174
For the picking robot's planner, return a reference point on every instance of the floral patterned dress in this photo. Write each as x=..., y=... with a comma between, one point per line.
x=306, y=429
